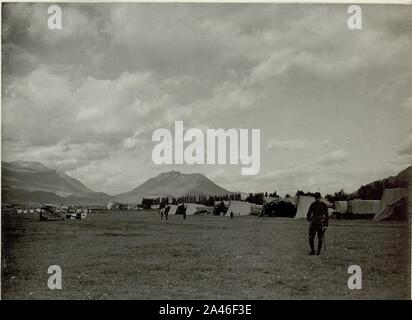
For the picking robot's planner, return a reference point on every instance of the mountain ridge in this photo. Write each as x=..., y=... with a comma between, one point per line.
x=174, y=184
x=33, y=181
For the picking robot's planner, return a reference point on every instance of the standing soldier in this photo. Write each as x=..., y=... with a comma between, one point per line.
x=167, y=209
x=319, y=219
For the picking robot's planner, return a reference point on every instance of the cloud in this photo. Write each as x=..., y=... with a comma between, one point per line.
x=92, y=110
x=408, y=103
x=95, y=91
x=132, y=142
x=288, y=144
x=405, y=153
x=63, y=155
x=334, y=157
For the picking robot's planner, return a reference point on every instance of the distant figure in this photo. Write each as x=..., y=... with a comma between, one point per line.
x=161, y=213
x=263, y=210
x=167, y=209
x=184, y=212
x=319, y=219
x=231, y=214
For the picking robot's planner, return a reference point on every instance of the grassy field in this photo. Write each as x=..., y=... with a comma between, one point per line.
x=138, y=256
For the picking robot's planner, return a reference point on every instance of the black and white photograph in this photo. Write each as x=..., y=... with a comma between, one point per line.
x=206, y=151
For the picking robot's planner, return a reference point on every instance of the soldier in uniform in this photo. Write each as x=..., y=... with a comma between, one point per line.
x=318, y=218
x=167, y=209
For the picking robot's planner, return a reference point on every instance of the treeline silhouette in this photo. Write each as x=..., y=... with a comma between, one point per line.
x=200, y=199
x=372, y=191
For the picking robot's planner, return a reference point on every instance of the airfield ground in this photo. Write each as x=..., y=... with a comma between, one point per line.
x=135, y=255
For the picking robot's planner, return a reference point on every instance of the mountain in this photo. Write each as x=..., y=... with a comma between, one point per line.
x=174, y=184
x=32, y=180
x=374, y=190
x=402, y=179
x=35, y=198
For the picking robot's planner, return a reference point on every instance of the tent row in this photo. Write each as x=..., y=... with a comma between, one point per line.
x=393, y=205
x=191, y=209
x=238, y=208
x=358, y=207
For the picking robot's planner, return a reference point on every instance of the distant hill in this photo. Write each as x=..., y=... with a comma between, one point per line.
x=174, y=184
x=24, y=181
x=35, y=198
x=374, y=190
x=27, y=182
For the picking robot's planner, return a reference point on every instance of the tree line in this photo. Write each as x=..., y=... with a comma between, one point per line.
x=372, y=191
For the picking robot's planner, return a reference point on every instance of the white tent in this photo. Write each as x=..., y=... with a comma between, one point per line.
x=204, y=210
x=173, y=209
x=303, y=204
x=240, y=208
x=329, y=204
x=389, y=198
x=194, y=208
x=191, y=208
x=360, y=207
x=341, y=206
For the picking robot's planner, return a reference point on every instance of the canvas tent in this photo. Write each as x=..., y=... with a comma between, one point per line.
x=364, y=207
x=390, y=204
x=329, y=204
x=303, y=204
x=240, y=208
x=204, y=210
x=225, y=202
x=271, y=199
x=292, y=200
x=341, y=206
x=279, y=207
x=195, y=208
x=173, y=209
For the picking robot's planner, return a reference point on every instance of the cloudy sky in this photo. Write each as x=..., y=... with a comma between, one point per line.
x=334, y=105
